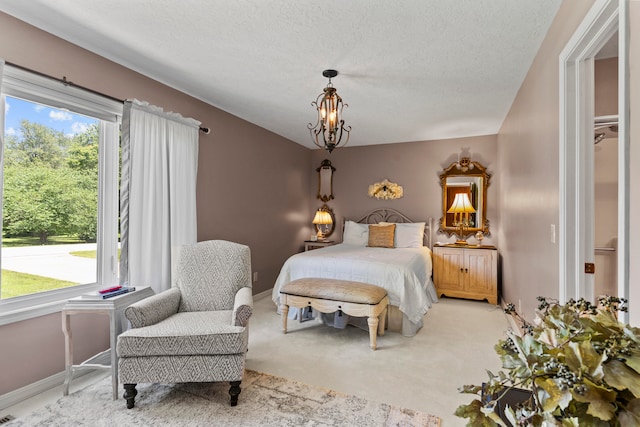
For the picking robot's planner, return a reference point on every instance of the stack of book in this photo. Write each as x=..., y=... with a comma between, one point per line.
x=109, y=292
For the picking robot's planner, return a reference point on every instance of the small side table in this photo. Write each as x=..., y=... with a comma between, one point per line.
x=114, y=308
x=310, y=245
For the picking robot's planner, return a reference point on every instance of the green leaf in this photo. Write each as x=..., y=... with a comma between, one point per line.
x=633, y=361
x=583, y=358
x=620, y=376
x=599, y=399
x=555, y=397
x=473, y=411
x=630, y=416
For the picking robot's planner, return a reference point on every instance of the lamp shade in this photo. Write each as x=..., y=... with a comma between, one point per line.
x=461, y=204
x=322, y=217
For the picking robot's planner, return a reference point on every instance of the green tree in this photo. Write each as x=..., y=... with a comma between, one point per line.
x=43, y=201
x=39, y=145
x=83, y=150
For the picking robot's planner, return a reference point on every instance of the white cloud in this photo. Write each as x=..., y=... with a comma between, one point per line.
x=60, y=115
x=38, y=108
x=11, y=131
x=79, y=127
x=7, y=107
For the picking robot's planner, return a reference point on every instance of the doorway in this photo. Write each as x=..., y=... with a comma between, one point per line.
x=605, y=200
x=577, y=237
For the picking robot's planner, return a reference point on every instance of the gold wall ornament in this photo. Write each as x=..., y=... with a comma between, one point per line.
x=385, y=190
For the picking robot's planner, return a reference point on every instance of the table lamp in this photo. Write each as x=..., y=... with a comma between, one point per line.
x=461, y=208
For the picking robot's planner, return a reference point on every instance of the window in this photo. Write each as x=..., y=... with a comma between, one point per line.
x=59, y=193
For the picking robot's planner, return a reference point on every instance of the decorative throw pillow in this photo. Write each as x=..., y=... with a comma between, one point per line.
x=408, y=234
x=355, y=233
x=381, y=236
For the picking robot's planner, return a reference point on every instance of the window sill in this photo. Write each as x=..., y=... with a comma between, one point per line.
x=30, y=306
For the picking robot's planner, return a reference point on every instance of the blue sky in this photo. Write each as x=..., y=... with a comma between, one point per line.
x=17, y=110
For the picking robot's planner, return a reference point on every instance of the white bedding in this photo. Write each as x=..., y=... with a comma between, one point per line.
x=404, y=272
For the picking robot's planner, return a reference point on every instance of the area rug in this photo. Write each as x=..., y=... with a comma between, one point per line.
x=265, y=400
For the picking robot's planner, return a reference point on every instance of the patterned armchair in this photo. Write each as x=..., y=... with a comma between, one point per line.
x=197, y=331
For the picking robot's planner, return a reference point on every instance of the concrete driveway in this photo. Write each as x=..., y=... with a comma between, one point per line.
x=52, y=261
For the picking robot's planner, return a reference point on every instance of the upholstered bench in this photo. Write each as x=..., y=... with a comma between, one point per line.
x=330, y=295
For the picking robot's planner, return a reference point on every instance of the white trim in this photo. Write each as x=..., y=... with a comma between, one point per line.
x=40, y=304
x=32, y=87
x=576, y=143
x=624, y=144
x=263, y=294
x=30, y=390
x=36, y=88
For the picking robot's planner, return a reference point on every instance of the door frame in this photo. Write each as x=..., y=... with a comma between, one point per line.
x=576, y=234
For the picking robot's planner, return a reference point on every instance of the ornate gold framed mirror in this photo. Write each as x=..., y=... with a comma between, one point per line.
x=464, y=181
x=325, y=222
x=325, y=180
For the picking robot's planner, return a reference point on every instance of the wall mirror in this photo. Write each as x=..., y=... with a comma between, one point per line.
x=472, y=179
x=325, y=180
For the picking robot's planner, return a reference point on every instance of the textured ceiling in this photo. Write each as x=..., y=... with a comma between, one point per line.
x=410, y=70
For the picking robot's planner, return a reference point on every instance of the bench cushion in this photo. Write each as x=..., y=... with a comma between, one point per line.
x=335, y=290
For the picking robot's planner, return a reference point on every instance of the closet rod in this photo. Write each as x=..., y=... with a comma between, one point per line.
x=66, y=82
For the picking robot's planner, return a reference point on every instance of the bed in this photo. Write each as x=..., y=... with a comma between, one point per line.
x=404, y=271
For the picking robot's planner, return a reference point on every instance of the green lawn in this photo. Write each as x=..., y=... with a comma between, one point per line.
x=16, y=284
x=12, y=242
x=88, y=254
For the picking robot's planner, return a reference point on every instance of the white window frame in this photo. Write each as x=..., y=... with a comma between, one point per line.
x=19, y=83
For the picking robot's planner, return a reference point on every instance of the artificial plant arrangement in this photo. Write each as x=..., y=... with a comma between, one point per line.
x=579, y=366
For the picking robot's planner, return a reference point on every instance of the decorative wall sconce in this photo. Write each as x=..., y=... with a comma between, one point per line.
x=385, y=190
x=328, y=130
x=323, y=220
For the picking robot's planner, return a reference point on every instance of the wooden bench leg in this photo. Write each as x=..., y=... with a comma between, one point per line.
x=383, y=320
x=284, y=310
x=373, y=331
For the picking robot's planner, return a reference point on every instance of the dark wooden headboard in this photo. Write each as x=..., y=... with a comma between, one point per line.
x=392, y=215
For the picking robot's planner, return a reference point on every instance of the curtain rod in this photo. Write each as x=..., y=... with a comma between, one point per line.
x=66, y=82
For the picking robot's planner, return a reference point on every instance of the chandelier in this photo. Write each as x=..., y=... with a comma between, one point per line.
x=328, y=131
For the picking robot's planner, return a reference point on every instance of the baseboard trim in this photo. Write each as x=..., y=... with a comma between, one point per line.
x=40, y=386
x=263, y=294
x=28, y=391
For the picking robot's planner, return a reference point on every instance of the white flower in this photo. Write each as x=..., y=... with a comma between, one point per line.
x=385, y=190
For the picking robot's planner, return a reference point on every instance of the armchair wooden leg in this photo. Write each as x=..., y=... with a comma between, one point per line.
x=234, y=392
x=130, y=394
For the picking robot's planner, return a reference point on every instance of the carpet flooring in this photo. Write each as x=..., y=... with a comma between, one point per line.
x=265, y=400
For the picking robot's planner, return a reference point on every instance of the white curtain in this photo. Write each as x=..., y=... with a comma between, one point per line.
x=157, y=193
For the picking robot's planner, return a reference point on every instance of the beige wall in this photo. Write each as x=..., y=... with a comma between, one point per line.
x=528, y=169
x=252, y=185
x=414, y=165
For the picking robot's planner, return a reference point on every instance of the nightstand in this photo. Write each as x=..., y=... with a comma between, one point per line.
x=466, y=272
x=311, y=245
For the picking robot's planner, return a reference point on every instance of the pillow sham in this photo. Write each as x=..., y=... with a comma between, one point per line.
x=381, y=236
x=355, y=233
x=408, y=234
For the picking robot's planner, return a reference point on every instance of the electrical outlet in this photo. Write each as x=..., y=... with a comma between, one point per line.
x=520, y=306
x=255, y=276
x=553, y=233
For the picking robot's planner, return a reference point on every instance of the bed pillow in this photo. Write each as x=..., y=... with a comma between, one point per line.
x=408, y=234
x=381, y=236
x=355, y=233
